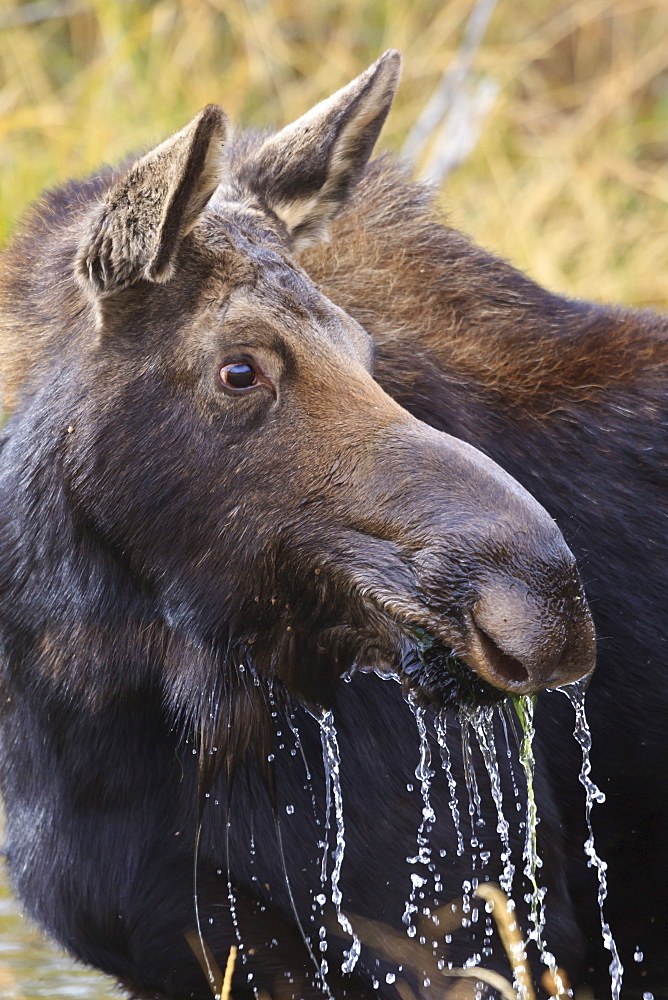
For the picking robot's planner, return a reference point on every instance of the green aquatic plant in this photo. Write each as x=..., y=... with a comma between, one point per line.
x=435, y=673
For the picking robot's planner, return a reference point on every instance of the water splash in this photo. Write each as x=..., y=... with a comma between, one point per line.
x=576, y=695
x=440, y=724
x=424, y=774
x=332, y=763
x=482, y=721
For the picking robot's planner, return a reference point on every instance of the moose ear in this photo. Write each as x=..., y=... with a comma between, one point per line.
x=305, y=172
x=137, y=230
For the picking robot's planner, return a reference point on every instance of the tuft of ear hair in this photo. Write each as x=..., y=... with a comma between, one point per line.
x=305, y=172
x=144, y=216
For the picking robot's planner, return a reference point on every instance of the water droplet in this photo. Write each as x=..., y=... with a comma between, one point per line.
x=289, y=810
x=390, y=977
x=638, y=955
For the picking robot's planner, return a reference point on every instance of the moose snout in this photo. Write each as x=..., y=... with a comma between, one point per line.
x=458, y=551
x=495, y=578
x=524, y=638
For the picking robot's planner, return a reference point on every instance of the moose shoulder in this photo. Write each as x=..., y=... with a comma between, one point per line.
x=571, y=398
x=211, y=512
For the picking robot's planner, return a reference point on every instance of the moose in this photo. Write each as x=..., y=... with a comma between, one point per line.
x=244, y=465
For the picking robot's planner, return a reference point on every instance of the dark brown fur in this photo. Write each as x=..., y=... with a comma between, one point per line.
x=425, y=290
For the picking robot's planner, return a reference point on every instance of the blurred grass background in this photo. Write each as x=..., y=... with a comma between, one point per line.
x=569, y=179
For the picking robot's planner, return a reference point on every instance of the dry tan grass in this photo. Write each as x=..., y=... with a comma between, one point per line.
x=569, y=179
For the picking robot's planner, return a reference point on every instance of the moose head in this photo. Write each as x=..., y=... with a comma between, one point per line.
x=258, y=502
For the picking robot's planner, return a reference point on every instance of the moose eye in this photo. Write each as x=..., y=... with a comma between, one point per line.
x=239, y=376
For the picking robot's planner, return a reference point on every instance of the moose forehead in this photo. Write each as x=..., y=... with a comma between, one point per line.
x=255, y=295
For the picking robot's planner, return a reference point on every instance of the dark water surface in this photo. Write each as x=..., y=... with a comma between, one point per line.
x=31, y=967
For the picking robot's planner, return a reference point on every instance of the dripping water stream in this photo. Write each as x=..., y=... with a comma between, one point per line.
x=424, y=774
x=524, y=708
x=332, y=762
x=475, y=802
x=477, y=823
x=576, y=695
x=482, y=721
x=441, y=737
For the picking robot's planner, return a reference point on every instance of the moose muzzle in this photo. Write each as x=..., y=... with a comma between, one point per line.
x=478, y=565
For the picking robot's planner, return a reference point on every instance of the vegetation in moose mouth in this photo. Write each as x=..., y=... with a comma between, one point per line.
x=436, y=675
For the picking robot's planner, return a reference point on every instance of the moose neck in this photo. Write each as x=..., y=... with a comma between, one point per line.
x=477, y=323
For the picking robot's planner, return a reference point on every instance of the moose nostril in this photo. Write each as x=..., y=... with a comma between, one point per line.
x=524, y=639
x=503, y=668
